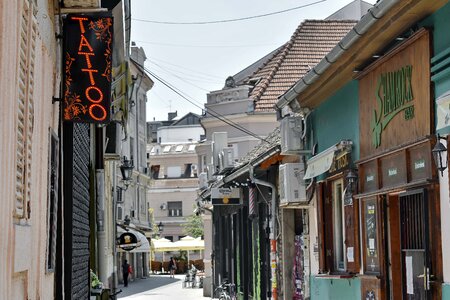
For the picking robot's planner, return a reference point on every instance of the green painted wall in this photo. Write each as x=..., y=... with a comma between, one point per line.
x=440, y=22
x=446, y=291
x=335, y=289
x=337, y=119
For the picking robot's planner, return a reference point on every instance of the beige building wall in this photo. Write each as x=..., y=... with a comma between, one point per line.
x=23, y=242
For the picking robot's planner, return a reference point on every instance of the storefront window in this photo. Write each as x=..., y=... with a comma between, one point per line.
x=338, y=225
x=371, y=247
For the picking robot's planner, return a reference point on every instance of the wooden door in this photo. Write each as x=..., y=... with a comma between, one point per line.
x=414, y=245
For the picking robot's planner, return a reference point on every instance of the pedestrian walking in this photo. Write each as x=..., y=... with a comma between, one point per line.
x=172, y=267
x=126, y=270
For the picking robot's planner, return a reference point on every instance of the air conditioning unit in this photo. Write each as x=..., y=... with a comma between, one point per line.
x=292, y=187
x=203, y=180
x=163, y=206
x=291, y=130
x=226, y=159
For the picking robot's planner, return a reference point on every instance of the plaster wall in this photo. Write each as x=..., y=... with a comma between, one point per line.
x=23, y=273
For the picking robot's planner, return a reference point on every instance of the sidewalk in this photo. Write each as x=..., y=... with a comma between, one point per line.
x=160, y=287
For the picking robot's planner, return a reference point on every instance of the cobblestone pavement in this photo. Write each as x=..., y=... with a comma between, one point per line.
x=160, y=287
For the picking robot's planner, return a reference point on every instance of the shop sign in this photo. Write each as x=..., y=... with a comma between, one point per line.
x=128, y=241
x=341, y=161
x=87, y=68
x=225, y=196
x=394, y=94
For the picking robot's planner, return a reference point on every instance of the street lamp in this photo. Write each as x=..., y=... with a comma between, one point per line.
x=126, y=169
x=439, y=157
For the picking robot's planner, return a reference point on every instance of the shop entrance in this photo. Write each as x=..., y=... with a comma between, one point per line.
x=414, y=243
x=409, y=256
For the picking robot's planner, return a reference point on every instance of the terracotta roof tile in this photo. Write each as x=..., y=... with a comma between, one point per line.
x=311, y=41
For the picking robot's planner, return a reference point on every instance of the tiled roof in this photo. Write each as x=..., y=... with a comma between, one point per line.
x=312, y=40
x=271, y=141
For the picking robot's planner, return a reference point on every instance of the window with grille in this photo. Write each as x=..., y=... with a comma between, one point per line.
x=25, y=109
x=175, y=209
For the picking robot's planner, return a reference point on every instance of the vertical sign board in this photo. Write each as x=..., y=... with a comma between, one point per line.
x=87, y=68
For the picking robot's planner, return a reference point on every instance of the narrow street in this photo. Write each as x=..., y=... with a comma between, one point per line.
x=160, y=287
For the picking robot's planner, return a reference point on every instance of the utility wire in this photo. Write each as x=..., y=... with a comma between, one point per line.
x=192, y=77
x=181, y=67
x=228, y=20
x=204, y=46
x=210, y=111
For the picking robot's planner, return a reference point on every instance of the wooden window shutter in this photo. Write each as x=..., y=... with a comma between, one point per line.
x=321, y=226
x=25, y=109
x=352, y=236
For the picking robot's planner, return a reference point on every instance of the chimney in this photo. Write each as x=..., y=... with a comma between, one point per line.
x=172, y=115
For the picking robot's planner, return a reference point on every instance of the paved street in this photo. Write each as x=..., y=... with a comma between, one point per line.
x=160, y=287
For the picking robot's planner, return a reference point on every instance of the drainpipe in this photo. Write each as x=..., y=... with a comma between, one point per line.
x=272, y=235
x=101, y=234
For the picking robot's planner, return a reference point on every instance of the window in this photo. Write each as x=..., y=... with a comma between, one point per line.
x=187, y=170
x=131, y=147
x=179, y=148
x=166, y=149
x=338, y=225
x=154, y=171
x=25, y=110
x=175, y=209
x=53, y=189
x=191, y=148
x=370, y=228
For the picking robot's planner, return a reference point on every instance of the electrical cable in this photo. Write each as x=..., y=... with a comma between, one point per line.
x=204, y=46
x=210, y=111
x=228, y=20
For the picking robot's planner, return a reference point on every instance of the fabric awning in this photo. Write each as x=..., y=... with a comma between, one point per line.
x=143, y=244
x=320, y=163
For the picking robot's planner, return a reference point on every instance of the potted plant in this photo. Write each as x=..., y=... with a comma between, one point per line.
x=96, y=285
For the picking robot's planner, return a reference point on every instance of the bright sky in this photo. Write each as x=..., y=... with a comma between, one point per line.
x=196, y=59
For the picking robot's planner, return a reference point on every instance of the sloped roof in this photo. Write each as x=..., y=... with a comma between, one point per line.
x=312, y=40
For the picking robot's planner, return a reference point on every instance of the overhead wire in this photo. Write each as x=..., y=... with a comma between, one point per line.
x=228, y=20
x=210, y=111
x=192, y=77
x=203, y=46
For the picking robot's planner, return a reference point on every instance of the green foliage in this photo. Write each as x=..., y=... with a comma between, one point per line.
x=95, y=282
x=193, y=226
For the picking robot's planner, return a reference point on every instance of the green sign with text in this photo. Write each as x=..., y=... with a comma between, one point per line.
x=394, y=94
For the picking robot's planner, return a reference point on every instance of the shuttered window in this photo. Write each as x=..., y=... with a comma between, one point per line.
x=25, y=108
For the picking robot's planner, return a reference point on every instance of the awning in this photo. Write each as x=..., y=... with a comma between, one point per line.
x=321, y=162
x=142, y=246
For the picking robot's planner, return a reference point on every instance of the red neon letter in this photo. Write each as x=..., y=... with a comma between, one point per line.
x=102, y=111
x=88, y=60
x=99, y=94
x=80, y=19
x=84, y=44
x=91, y=77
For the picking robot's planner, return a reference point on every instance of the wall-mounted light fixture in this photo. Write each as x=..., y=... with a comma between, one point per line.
x=350, y=189
x=440, y=155
x=127, y=170
x=160, y=227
